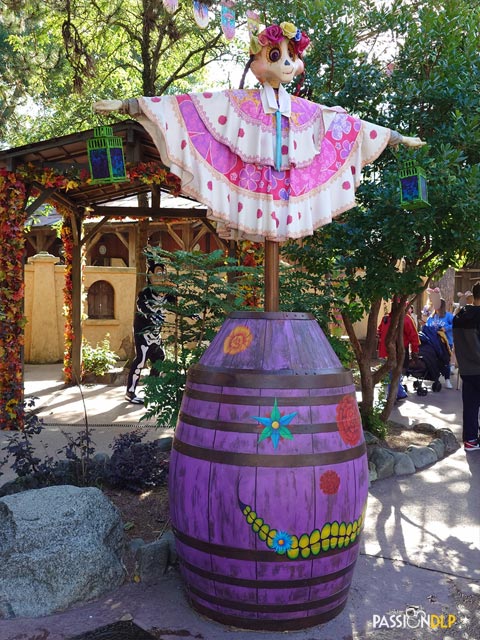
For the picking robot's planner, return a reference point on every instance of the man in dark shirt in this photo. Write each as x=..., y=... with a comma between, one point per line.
x=147, y=327
x=466, y=338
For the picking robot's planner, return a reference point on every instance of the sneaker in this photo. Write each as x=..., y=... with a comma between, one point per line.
x=132, y=398
x=471, y=445
x=447, y=384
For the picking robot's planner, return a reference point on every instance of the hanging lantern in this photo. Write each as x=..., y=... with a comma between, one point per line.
x=413, y=186
x=105, y=157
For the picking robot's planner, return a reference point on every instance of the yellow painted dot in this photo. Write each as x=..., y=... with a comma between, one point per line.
x=293, y=553
x=314, y=536
x=263, y=533
x=275, y=424
x=304, y=541
x=257, y=524
x=270, y=537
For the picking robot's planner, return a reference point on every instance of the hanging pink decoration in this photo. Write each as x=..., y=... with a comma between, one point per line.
x=170, y=5
x=253, y=22
x=200, y=13
x=228, y=19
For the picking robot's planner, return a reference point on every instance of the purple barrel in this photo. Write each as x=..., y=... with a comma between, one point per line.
x=268, y=475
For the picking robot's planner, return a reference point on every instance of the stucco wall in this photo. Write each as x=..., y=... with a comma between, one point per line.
x=44, y=329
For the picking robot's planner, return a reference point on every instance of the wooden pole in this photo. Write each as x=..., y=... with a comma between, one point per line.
x=271, y=275
x=76, y=299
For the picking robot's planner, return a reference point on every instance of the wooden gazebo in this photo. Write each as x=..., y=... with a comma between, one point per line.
x=68, y=155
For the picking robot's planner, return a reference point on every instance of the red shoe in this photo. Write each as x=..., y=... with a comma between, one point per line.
x=471, y=445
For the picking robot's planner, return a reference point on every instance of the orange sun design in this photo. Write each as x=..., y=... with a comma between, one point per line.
x=238, y=340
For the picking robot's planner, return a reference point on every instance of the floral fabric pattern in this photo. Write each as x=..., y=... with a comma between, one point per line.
x=222, y=147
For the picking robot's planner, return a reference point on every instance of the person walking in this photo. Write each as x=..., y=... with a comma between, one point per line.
x=442, y=319
x=411, y=342
x=147, y=326
x=466, y=336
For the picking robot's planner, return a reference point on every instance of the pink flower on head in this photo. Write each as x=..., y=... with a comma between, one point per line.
x=271, y=35
x=302, y=44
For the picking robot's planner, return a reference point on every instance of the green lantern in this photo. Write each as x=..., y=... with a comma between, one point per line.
x=413, y=186
x=105, y=157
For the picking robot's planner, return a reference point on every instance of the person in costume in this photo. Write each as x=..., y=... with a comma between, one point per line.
x=147, y=327
x=268, y=165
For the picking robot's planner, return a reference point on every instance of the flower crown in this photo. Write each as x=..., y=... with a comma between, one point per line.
x=276, y=33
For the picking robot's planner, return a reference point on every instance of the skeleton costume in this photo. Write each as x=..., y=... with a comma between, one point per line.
x=147, y=327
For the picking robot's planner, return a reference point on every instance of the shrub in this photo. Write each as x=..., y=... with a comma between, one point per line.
x=99, y=359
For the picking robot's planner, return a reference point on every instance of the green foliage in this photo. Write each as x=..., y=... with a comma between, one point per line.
x=423, y=81
x=373, y=421
x=206, y=288
x=99, y=359
x=134, y=465
x=303, y=291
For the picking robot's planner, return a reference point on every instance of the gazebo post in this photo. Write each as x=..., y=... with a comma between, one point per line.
x=76, y=299
x=271, y=269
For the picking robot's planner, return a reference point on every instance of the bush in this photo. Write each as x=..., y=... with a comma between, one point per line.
x=99, y=359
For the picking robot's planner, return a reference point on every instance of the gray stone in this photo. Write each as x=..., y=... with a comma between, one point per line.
x=403, y=465
x=152, y=559
x=449, y=440
x=372, y=472
x=384, y=462
x=370, y=438
x=438, y=446
x=424, y=427
x=164, y=443
x=421, y=456
x=58, y=546
x=135, y=544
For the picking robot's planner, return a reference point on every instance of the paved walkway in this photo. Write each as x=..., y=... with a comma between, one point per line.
x=420, y=546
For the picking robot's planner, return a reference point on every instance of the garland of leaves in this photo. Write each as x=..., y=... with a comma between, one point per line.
x=13, y=190
x=12, y=219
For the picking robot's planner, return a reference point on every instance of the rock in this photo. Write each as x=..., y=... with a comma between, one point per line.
x=424, y=427
x=164, y=443
x=384, y=461
x=58, y=546
x=372, y=472
x=370, y=438
x=421, y=456
x=403, y=465
x=438, y=446
x=449, y=440
x=152, y=559
x=135, y=544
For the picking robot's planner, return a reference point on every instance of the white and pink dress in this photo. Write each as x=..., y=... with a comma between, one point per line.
x=223, y=147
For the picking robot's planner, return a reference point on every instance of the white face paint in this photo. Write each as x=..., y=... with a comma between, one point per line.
x=277, y=64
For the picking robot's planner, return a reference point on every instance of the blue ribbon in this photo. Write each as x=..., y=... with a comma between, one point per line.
x=278, y=140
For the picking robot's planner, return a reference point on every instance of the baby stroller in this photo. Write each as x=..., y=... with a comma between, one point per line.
x=433, y=356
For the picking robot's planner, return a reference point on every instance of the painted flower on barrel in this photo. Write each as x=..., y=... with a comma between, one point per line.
x=329, y=482
x=282, y=542
x=239, y=339
x=348, y=420
x=276, y=425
